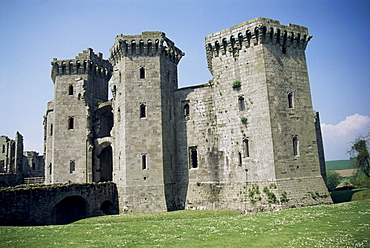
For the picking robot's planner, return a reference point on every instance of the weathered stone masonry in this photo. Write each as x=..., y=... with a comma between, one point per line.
x=248, y=140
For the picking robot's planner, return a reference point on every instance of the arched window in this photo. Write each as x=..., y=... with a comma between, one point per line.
x=290, y=100
x=142, y=72
x=295, y=146
x=133, y=47
x=224, y=44
x=144, y=162
x=70, y=123
x=241, y=103
x=186, y=110
x=150, y=48
x=246, y=147
x=72, y=166
x=142, y=110
x=70, y=90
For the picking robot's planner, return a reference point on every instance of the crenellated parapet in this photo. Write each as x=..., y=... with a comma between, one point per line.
x=86, y=62
x=237, y=39
x=151, y=43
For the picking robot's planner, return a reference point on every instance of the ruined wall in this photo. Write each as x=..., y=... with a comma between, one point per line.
x=57, y=204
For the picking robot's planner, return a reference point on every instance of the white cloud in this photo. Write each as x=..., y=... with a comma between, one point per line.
x=338, y=138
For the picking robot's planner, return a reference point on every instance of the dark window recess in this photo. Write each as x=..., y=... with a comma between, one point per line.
x=142, y=111
x=71, y=123
x=241, y=103
x=72, y=166
x=193, y=157
x=142, y=72
x=143, y=162
x=70, y=90
x=290, y=100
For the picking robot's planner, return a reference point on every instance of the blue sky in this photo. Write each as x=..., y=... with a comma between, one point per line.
x=33, y=32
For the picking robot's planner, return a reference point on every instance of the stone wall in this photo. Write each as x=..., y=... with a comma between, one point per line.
x=56, y=204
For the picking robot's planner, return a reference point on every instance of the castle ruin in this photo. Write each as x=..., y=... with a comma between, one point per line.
x=248, y=140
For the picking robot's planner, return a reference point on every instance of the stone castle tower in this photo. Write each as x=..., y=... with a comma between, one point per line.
x=245, y=141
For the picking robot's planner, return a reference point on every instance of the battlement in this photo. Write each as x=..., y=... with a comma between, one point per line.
x=150, y=43
x=86, y=62
x=255, y=32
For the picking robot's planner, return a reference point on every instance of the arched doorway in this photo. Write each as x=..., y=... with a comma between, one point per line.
x=70, y=209
x=106, y=164
x=108, y=208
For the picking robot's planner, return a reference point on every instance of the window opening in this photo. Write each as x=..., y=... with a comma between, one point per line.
x=143, y=162
x=241, y=103
x=142, y=110
x=246, y=147
x=142, y=72
x=3, y=148
x=295, y=146
x=240, y=158
x=50, y=168
x=290, y=100
x=72, y=166
x=51, y=130
x=193, y=157
x=70, y=90
x=70, y=123
x=186, y=110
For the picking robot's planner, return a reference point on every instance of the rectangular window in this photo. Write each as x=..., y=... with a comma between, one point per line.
x=193, y=157
x=295, y=146
x=144, y=162
x=246, y=147
x=290, y=100
x=72, y=166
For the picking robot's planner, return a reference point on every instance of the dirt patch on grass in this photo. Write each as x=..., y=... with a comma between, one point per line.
x=346, y=173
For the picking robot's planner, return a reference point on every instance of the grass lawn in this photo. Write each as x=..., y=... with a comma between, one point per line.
x=338, y=225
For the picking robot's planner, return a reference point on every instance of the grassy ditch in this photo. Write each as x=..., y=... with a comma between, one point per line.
x=336, y=225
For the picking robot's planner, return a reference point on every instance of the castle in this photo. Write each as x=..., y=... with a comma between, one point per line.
x=248, y=140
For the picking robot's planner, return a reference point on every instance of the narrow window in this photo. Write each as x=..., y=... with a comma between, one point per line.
x=186, y=110
x=246, y=147
x=193, y=157
x=142, y=72
x=3, y=148
x=143, y=162
x=50, y=168
x=51, y=130
x=240, y=158
x=70, y=90
x=290, y=100
x=72, y=166
x=295, y=146
x=33, y=166
x=70, y=123
x=241, y=103
x=142, y=110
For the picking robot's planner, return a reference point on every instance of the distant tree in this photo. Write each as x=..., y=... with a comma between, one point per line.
x=333, y=179
x=360, y=155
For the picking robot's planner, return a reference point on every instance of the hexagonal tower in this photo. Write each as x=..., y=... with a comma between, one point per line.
x=80, y=85
x=144, y=81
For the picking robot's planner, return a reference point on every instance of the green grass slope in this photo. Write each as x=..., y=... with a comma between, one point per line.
x=339, y=165
x=336, y=225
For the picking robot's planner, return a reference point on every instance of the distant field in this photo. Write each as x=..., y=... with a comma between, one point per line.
x=339, y=165
x=329, y=226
